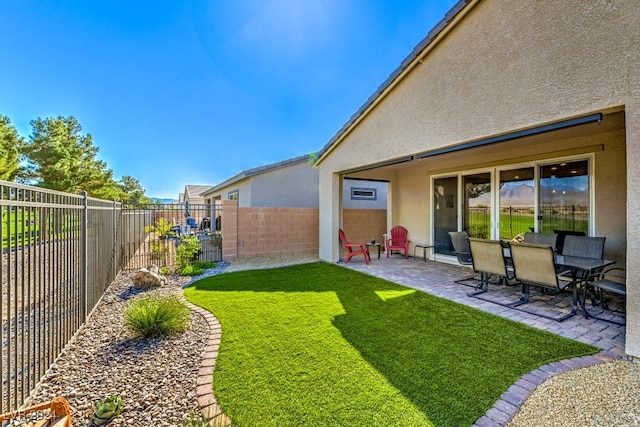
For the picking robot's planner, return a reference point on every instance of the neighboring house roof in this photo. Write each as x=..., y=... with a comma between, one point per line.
x=414, y=58
x=257, y=171
x=195, y=191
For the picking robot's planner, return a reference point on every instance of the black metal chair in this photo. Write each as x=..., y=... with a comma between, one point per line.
x=542, y=239
x=460, y=242
x=612, y=280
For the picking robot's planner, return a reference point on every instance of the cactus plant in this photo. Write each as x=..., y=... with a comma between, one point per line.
x=107, y=410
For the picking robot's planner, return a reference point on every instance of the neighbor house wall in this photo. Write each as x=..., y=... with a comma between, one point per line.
x=244, y=192
x=380, y=188
x=295, y=186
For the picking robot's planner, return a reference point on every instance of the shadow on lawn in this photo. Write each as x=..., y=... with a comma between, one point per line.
x=451, y=361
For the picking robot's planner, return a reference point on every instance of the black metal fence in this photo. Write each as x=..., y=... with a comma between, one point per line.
x=152, y=233
x=60, y=252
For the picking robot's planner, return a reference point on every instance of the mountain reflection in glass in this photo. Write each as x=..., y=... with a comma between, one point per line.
x=564, y=196
x=517, y=202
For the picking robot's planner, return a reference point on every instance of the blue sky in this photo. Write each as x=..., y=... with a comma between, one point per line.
x=193, y=92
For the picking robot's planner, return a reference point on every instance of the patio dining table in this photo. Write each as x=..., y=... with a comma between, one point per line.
x=581, y=268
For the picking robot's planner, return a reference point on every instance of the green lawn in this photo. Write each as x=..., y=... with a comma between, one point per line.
x=321, y=345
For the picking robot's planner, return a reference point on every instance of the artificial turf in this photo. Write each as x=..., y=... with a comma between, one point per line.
x=321, y=345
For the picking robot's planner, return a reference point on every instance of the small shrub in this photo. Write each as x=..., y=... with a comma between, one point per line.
x=107, y=410
x=205, y=265
x=196, y=420
x=162, y=227
x=159, y=248
x=186, y=252
x=195, y=269
x=150, y=317
x=189, y=270
x=165, y=271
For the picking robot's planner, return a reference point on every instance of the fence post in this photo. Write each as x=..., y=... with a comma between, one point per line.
x=116, y=260
x=84, y=263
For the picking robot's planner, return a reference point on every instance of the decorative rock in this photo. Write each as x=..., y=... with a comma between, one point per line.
x=149, y=277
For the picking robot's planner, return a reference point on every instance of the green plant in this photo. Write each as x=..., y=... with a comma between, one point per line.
x=189, y=270
x=187, y=251
x=158, y=249
x=162, y=227
x=149, y=316
x=107, y=410
x=165, y=271
x=196, y=419
x=204, y=264
x=195, y=269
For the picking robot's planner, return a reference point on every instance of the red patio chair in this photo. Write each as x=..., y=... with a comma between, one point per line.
x=398, y=241
x=354, y=248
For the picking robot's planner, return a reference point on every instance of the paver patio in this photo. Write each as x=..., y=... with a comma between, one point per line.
x=438, y=278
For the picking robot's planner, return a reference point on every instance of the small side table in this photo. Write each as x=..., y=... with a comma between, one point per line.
x=424, y=247
x=374, y=244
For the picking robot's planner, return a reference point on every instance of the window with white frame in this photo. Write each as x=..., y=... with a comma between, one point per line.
x=233, y=195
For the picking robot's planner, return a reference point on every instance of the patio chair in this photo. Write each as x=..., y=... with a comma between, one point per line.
x=460, y=242
x=562, y=234
x=191, y=225
x=398, y=241
x=354, y=248
x=612, y=280
x=488, y=259
x=542, y=239
x=534, y=265
x=583, y=246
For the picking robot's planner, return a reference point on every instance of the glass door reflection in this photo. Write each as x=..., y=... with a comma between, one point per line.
x=564, y=197
x=516, y=202
x=476, y=212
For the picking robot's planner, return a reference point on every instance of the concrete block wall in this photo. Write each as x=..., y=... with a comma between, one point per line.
x=250, y=232
x=276, y=231
x=230, y=230
x=364, y=224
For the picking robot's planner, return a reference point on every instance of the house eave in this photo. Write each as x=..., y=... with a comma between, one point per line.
x=415, y=58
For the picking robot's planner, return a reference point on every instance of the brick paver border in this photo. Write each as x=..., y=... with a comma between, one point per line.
x=209, y=406
x=511, y=400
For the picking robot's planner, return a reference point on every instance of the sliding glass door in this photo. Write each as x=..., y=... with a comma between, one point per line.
x=445, y=213
x=564, y=197
x=516, y=202
x=506, y=202
x=476, y=213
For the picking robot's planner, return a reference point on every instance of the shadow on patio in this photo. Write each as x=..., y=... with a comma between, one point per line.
x=437, y=278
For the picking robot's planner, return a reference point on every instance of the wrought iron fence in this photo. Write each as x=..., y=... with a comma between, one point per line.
x=153, y=232
x=60, y=252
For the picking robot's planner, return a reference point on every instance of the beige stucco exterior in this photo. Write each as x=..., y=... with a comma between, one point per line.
x=502, y=66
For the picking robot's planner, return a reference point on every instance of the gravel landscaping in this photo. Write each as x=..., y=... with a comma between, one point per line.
x=156, y=379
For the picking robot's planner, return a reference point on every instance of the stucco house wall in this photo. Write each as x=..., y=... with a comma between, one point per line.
x=500, y=66
x=294, y=186
x=380, y=188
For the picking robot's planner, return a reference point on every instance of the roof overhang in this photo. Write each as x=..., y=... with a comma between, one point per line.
x=416, y=57
x=537, y=130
